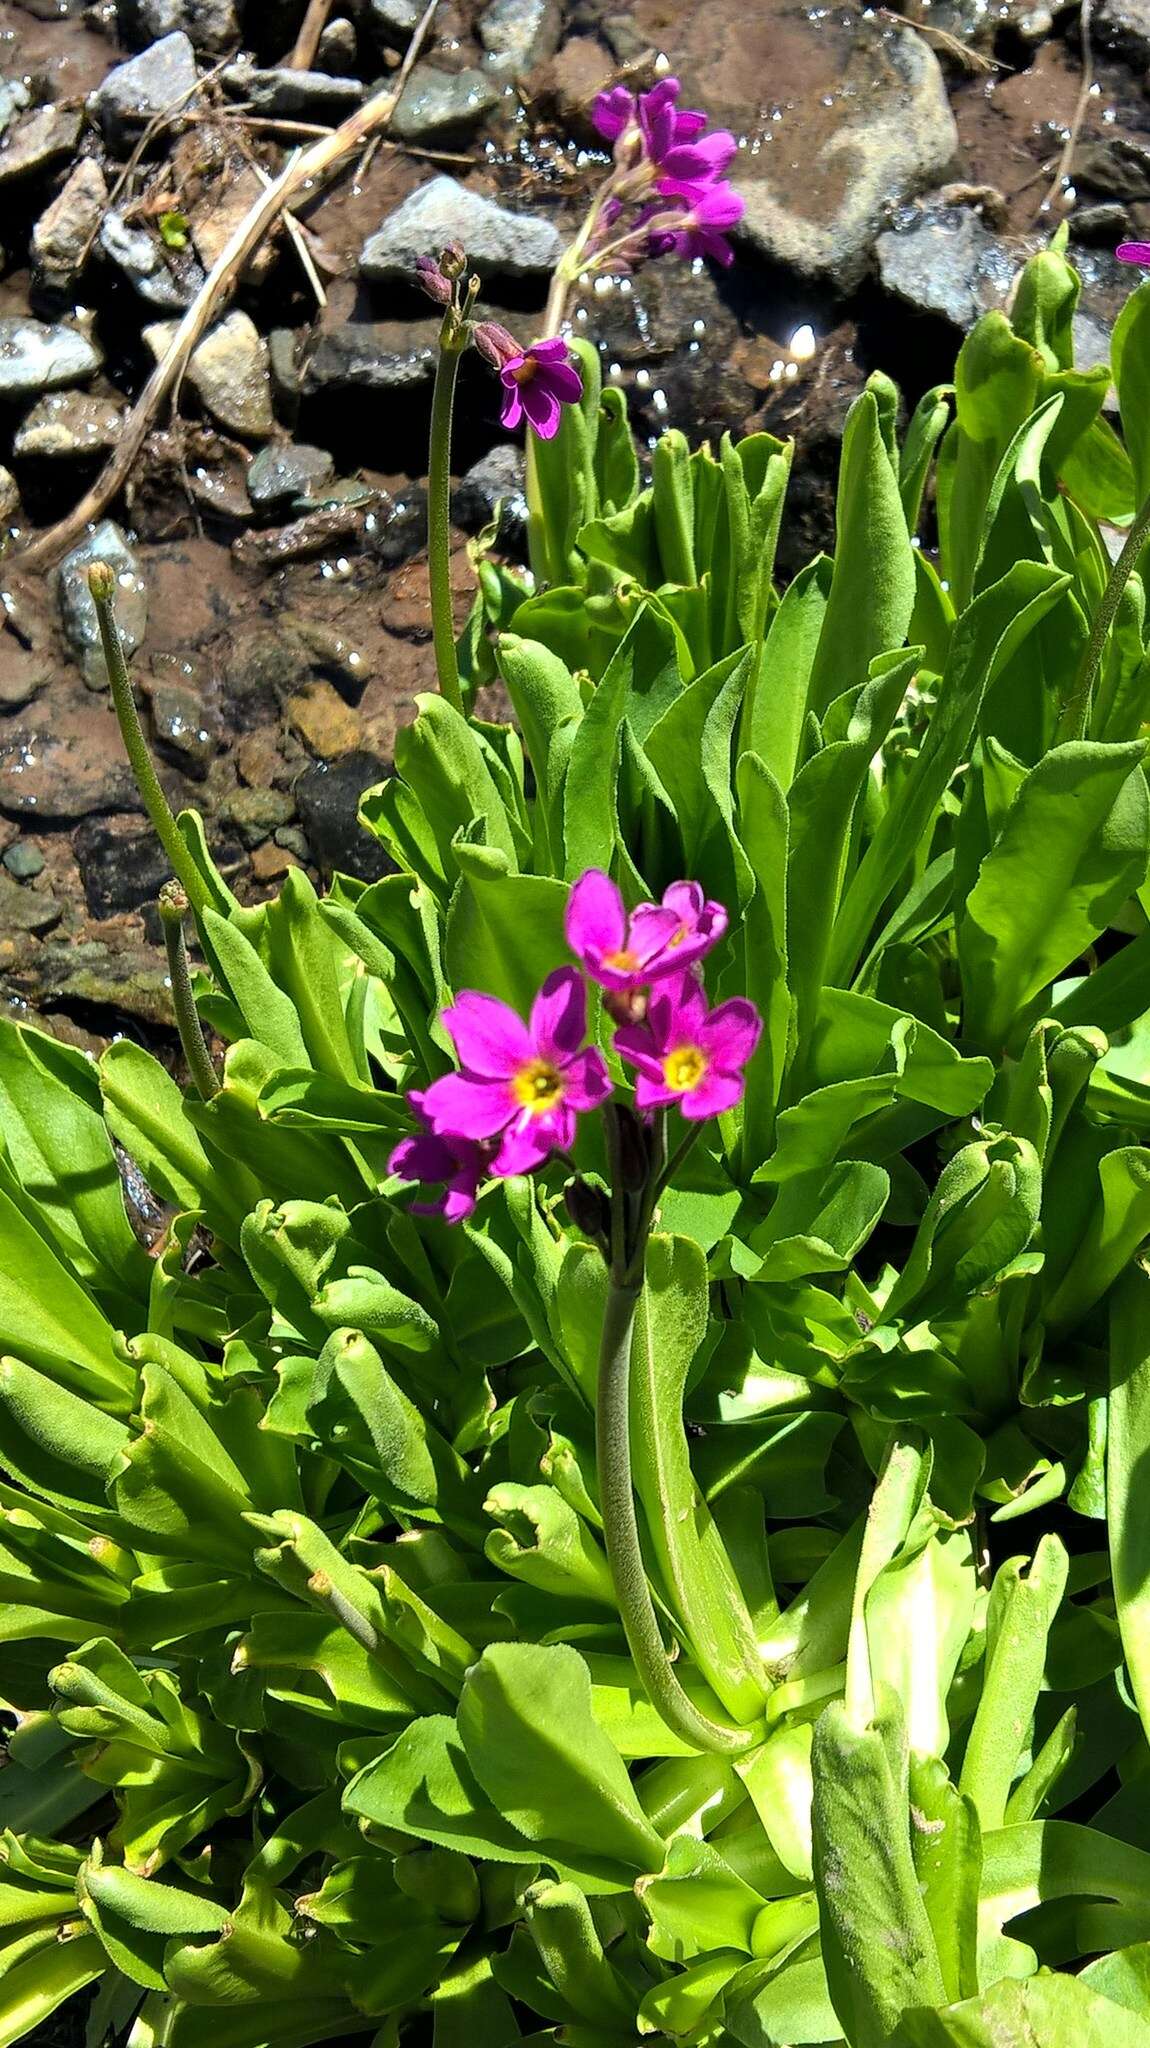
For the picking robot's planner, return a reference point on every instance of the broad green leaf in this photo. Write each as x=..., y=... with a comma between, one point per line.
x=1127, y=1453
x=1018, y=1624
x=1047, y=2011
x=872, y=590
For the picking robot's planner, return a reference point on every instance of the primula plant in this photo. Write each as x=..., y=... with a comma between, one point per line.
x=582, y=1481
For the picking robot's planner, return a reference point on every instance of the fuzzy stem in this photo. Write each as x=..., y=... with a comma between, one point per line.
x=102, y=583
x=173, y=905
x=616, y=1489
x=439, y=516
x=1076, y=710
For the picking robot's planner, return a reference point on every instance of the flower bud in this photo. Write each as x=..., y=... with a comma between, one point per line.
x=494, y=342
x=430, y=279
x=588, y=1208
x=634, y=1156
x=102, y=582
x=453, y=260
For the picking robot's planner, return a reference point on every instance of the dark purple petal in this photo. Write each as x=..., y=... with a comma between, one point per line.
x=559, y=1016
x=565, y=381
x=423, y=1157
x=490, y=1038
x=463, y=1108
x=553, y=349
x=613, y=111
x=542, y=408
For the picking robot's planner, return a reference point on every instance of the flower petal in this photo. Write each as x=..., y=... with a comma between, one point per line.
x=423, y=1157
x=564, y=380
x=596, y=922
x=715, y=1093
x=1133, y=252
x=586, y=1080
x=541, y=407
x=676, y=1012
x=633, y=1042
x=652, y=930
x=512, y=411
x=652, y=1092
x=731, y=1033
x=531, y=1140
x=559, y=1016
x=552, y=349
x=490, y=1038
x=464, y=1108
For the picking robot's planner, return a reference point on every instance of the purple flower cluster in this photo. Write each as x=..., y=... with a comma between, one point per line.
x=667, y=195
x=521, y=1085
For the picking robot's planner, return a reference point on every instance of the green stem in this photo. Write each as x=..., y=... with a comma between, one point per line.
x=1075, y=712
x=439, y=517
x=616, y=1489
x=173, y=905
x=102, y=583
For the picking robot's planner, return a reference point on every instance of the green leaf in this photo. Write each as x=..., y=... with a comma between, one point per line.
x=872, y=589
x=1017, y=1626
x=1047, y=2011
x=1127, y=1460
x=1130, y=363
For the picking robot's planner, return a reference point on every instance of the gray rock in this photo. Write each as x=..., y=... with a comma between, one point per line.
x=1106, y=224
x=438, y=103
x=39, y=141
x=498, y=243
x=106, y=543
x=23, y=860
x=35, y=357
x=141, y=258
x=9, y=497
x=392, y=21
x=64, y=233
x=147, y=85
x=872, y=127
x=518, y=34
x=255, y=813
x=498, y=478
x=398, y=529
x=67, y=426
x=1119, y=167
x=286, y=470
x=338, y=50
x=15, y=97
x=212, y=25
x=122, y=865
x=265, y=666
x=1123, y=27
x=229, y=373
x=26, y=910
x=943, y=260
x=386, y=355
x=181, y=730
x=327, y=797
x=287, y=94
x=283, y=362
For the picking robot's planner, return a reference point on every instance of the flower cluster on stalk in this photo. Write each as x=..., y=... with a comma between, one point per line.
x=667, y=194
x=521, y=1086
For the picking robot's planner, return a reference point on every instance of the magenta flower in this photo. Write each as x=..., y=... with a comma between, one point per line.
x=456, y=1164
x=657, y=940
x=522, y=1083
x=708, y=211
x=537, y=384
x=1134, y=252
x=688, y=1054
x=668, y=136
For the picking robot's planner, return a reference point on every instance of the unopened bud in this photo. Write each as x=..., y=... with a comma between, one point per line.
x=453, y=260
x=494, y=342
x=102, y=582
x=588, y=1208
x=173, y=901
x=625, y=1005
x=430, y=279
x=634, y=1158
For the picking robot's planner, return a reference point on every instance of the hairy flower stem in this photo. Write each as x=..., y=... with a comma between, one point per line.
x=1076, y=710
x=451, y=347
x=616, y=1489
x=102, y=584
x=173, y=909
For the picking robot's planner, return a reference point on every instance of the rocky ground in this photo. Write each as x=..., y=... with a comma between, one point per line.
x=896, y=168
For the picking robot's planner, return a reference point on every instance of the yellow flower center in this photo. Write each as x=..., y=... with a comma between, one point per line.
x=624, y=961
x=677, y=937
x=684, y=1068
x=537, y=1087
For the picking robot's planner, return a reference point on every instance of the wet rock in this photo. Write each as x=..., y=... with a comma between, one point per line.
x=384, y=355
x=498, y=478
x=327, y=798
x=1119, y=167
x=287, y=470
x=23, y=860
x=398, y=528
x=68, y=426
x=330, y=649
x=122, y=865
x=870, y=128
x=498, y=243
x=338, y=51
x=392, y=21
x=259, y=671
x=78, y=613
x=9, y=497
x=23, y=673
x=63, y=761
x=116, y=973
x=147, y=85
x=211, y=25
x=147, y=266
x=435, y=104
x=40, y=140
x=26, y=910
x=937, y=261
x=1122, y=27
x=15, y=98
x=287, y=94
x=1106, y=224
x=255, y=813
x=180, y=726
x=271, y=862
x=259, y=760
x=518, y=34
x=229, y=373
x=35, y=357
x=326, y=725
x=64, y=233
x=283, y=362
x=566, y=86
